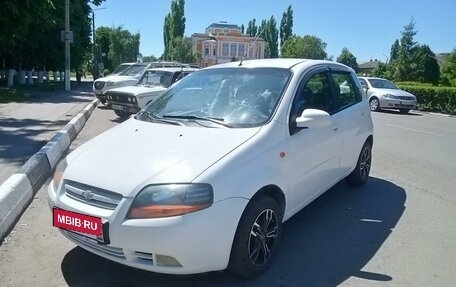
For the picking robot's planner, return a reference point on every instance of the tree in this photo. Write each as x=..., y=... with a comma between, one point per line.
x=269, y=32
x=347, y=58
x=242, y=28
x=182, y=50
x=403, y=69
x=30, y=33
x=395, y=50
x=252, y=29
x=424, y=65
x=448, y=75
x=286, y=25
x=174, y=26
x=310, y=47
x=151, y=58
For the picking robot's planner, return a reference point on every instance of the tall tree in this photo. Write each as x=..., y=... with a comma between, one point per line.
x=286, y=25
x=174, y=27
x=310, y=47
x=242, y=29
x=252, y=29
x=269, y=32
x=395, y=50
x=403, y=70
x=347, y=58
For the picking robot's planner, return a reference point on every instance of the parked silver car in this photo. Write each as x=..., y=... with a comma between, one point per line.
x=384, y=94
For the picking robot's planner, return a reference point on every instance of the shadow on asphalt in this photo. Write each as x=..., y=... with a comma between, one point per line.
x=327, y=242
x=78, y=93
x=17, y=146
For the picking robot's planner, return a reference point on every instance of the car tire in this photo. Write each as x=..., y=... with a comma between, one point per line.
x=257, y=236
x=360, y=174
x=121, y=114
x=404, y=111
x=374, y=104
x=102, y=101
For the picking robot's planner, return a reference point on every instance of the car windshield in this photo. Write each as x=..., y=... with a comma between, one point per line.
x=382, y=84
x=234, y=97
x=156, y=78
x=121, y=68
x=134, y=71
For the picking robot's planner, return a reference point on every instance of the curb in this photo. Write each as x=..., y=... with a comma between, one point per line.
x=18, y=190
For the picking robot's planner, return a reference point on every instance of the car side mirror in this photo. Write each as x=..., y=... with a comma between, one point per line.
x=313, y=118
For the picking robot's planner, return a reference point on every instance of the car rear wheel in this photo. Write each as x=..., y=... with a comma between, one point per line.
x=122, y=114
x=257, y=237
x=361, y=172
x=404, y=111
x=374, y=104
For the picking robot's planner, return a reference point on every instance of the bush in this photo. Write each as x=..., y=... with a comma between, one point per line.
x=433, y=99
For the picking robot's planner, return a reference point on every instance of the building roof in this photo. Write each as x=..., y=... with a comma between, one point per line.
x=369, y=65
x=224, y=25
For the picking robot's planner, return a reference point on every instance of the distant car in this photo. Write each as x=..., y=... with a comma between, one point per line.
x=204, y=176
x=129, y=100
x=122, y=67
x=384, y=94
x=128, y=77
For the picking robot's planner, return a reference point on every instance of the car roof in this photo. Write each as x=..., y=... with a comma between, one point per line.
x=373, y=78
x=286, y=63
x=173, y=69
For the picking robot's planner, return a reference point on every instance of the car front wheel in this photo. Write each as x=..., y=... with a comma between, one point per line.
x=374, y=105
x=257, y=237
x=121, y=114
x=361, y=172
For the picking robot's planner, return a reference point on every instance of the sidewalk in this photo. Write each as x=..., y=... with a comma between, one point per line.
x=34, y=135
x=26, y=127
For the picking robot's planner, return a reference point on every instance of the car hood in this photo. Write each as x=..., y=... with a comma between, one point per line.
x=122, y=79
x=139, y=89
x=137, y=153
x=394, y=92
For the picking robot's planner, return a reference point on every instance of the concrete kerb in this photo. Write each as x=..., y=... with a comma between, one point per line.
x=18, y=190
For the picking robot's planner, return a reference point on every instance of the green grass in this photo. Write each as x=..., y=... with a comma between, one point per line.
x=19, y=93
x=8, y=95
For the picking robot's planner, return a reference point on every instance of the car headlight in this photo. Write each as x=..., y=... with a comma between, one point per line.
x=58, y=174
x=156, y=201
x=390, y=96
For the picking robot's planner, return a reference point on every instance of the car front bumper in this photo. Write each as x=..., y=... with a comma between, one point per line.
x=199, y=241
x=387, y=103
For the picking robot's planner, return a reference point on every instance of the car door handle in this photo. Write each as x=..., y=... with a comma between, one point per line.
x=335, y=126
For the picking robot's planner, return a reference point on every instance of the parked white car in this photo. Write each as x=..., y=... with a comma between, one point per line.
x=203, y=178
x=384, y=94
x=129, y=100
x=128, y=77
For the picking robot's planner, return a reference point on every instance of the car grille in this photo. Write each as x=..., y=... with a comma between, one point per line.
x=93, y=244
x=406, y=98
x=99, y=85
x=119, y=97
x=92, y=195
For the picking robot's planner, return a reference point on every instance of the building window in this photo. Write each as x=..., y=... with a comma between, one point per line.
x=233, y=48
x=225, y=48
x=214, y=52
x=241, y=50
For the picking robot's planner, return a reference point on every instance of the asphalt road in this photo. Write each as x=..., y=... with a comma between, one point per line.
x=397, y=230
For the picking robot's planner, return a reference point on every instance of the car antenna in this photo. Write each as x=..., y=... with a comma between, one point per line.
x=250, y=48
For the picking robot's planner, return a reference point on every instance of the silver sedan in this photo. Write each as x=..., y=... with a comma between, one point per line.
x=384, y=94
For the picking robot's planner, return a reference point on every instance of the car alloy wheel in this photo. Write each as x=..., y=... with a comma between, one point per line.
x=365, y=162
x=263, y=236
x=257, y=237
x=374, y=104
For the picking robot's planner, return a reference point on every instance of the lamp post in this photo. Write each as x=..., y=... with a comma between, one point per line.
x=94, y=49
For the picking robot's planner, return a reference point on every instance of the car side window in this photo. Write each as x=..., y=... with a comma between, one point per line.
x=314, y=93
x=363, y=83
x=346, y=91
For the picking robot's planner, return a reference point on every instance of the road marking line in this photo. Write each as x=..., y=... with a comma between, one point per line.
x=415, y=130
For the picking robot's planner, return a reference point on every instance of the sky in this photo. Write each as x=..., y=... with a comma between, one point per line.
x=367, y=28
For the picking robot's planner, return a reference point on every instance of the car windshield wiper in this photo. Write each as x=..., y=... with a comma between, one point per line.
x=219, y=121
x=155, y=118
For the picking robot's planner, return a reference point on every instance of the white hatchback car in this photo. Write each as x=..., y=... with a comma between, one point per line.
x=204, y=176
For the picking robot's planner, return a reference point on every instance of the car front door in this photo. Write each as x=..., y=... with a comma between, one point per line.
x=314, y=153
